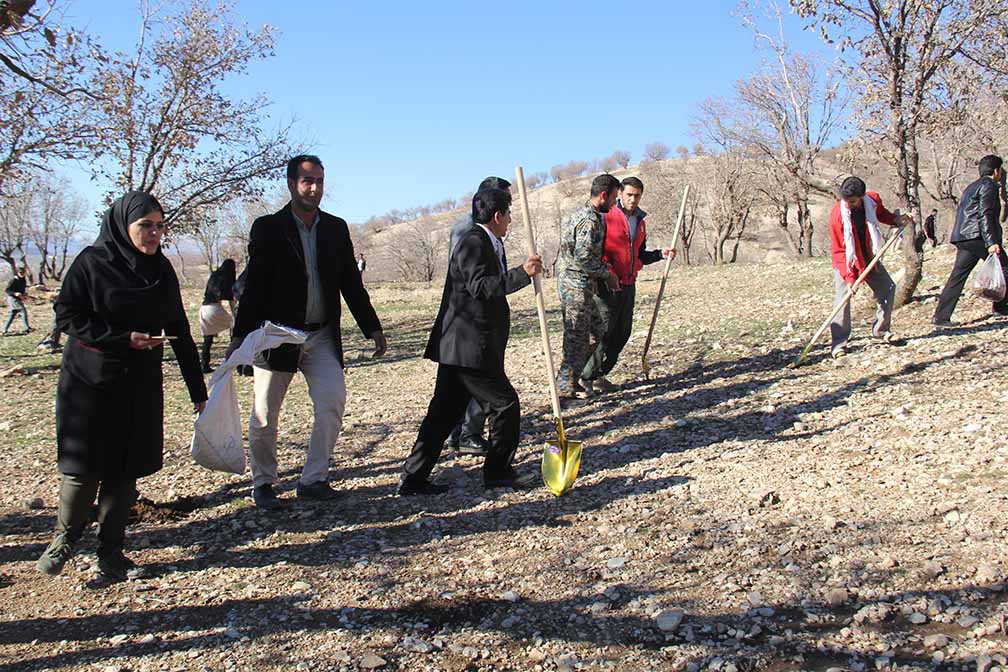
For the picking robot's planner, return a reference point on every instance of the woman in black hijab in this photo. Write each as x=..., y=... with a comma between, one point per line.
x=109, y=400
x=214, y=318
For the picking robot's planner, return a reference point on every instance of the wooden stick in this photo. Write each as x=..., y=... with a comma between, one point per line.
x=850, y=294
x=540, y=304
x=661, y=289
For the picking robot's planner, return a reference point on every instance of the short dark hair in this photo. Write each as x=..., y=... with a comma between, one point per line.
x=989, y=164
x=632, y=182
x=295, y=163
x=852, y=186
x=488, y=202
x=494, y=183
x=604, y=184
x=934, y=209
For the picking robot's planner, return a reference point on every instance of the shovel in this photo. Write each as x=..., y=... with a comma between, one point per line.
x=561, y=458
x=850, y=294
x=645, y=366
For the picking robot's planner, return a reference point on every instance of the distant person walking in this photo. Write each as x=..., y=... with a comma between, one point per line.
x=361, y=264
x=300, y=261
x=625, y=253
x=929, y=228
x=467, y=436
x=856, y=238
x=583, y=275
x=119, y=294
x=17, y=292
x=214, y=317
x=977, y=233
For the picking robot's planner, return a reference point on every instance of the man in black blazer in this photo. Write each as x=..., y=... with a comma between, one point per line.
x=300, y=261
x=468, y=340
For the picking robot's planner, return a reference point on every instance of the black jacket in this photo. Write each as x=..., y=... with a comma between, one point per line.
x=276, y=284
x=474, y=319
x=978, y=215
x=110, y=399
x=17, y=285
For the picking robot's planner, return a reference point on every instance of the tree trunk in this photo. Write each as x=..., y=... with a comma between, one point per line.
x=912, y=244
x=782, y=227
x=805, y=225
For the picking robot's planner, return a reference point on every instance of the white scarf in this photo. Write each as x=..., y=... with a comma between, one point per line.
x=871, y=221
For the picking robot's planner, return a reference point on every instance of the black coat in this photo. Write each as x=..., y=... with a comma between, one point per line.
x=276, y=284
x=474, y=319
x=978, y=214
x=109, y=399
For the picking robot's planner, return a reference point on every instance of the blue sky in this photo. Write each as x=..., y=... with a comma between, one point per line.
x=414, y=102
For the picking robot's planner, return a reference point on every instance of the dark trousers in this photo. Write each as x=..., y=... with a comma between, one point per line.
x=205, y=354
x=115, y=500
x=452, y=390
x=619, y=307
x=471, y=425
x=968, y=254
x=14, y=313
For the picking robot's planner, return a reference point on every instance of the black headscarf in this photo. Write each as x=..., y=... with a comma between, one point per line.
x=115, y=241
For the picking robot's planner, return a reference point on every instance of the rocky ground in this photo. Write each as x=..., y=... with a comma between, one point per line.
x=732, y=513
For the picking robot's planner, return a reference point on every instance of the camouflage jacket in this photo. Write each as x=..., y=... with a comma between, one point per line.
x=581, y=239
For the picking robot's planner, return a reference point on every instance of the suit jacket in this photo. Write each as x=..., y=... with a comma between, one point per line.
x=474, y=319
x=276, y=283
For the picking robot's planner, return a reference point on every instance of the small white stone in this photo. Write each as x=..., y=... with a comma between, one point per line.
x=669, y=619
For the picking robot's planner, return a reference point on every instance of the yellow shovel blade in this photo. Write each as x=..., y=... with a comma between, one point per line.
x=559, y=469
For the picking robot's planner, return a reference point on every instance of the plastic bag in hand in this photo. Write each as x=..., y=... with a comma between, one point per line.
x=990, y=281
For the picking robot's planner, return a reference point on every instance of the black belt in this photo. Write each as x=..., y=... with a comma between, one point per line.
x=315, y=326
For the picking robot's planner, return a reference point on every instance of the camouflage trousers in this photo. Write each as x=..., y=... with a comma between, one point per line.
x=585, y=320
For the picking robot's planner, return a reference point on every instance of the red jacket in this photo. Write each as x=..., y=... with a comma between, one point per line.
x=837, y=237
x=616, y=251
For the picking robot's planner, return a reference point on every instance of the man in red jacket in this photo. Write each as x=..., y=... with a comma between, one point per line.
x=856, y=237
x=624, y=252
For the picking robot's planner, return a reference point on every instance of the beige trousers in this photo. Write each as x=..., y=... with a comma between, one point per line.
x=327, y=390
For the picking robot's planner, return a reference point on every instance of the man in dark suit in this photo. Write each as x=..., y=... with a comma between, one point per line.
x=300, y=261
x=468, y=340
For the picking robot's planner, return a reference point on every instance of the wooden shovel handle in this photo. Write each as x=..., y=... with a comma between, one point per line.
x=540, y=304
x=664, y=277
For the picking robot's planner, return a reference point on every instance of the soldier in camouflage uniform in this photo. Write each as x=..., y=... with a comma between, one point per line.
x=581, y=276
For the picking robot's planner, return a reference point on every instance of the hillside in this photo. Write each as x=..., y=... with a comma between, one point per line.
x=551, y=203
x=731, y=513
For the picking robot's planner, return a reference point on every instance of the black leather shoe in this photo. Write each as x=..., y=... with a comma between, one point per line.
x=474, y=445
x=452, y=441
x=407, y=488
x=264, y=497
x=515, y=482
x=320, y=491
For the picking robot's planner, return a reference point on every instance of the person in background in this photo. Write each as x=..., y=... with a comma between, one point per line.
x=977, y=234
x=119, y=303
x=855, y=238
x=582, y=276
x=361, y=264
x=625, y=252
x=214, y=317
x=929, y=227
x=17, y=292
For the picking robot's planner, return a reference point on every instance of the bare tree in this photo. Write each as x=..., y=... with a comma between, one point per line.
x=622, y=158
x=417, y=252
x=788, y=110
x=656, y=151
x=16, y=207
x=55, y=219
x=170, y=128
x=729, y=193
x=46, y=110
x=897, y=53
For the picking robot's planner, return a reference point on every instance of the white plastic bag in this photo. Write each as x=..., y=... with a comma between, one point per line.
x=217, y=437
x=990, y=281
